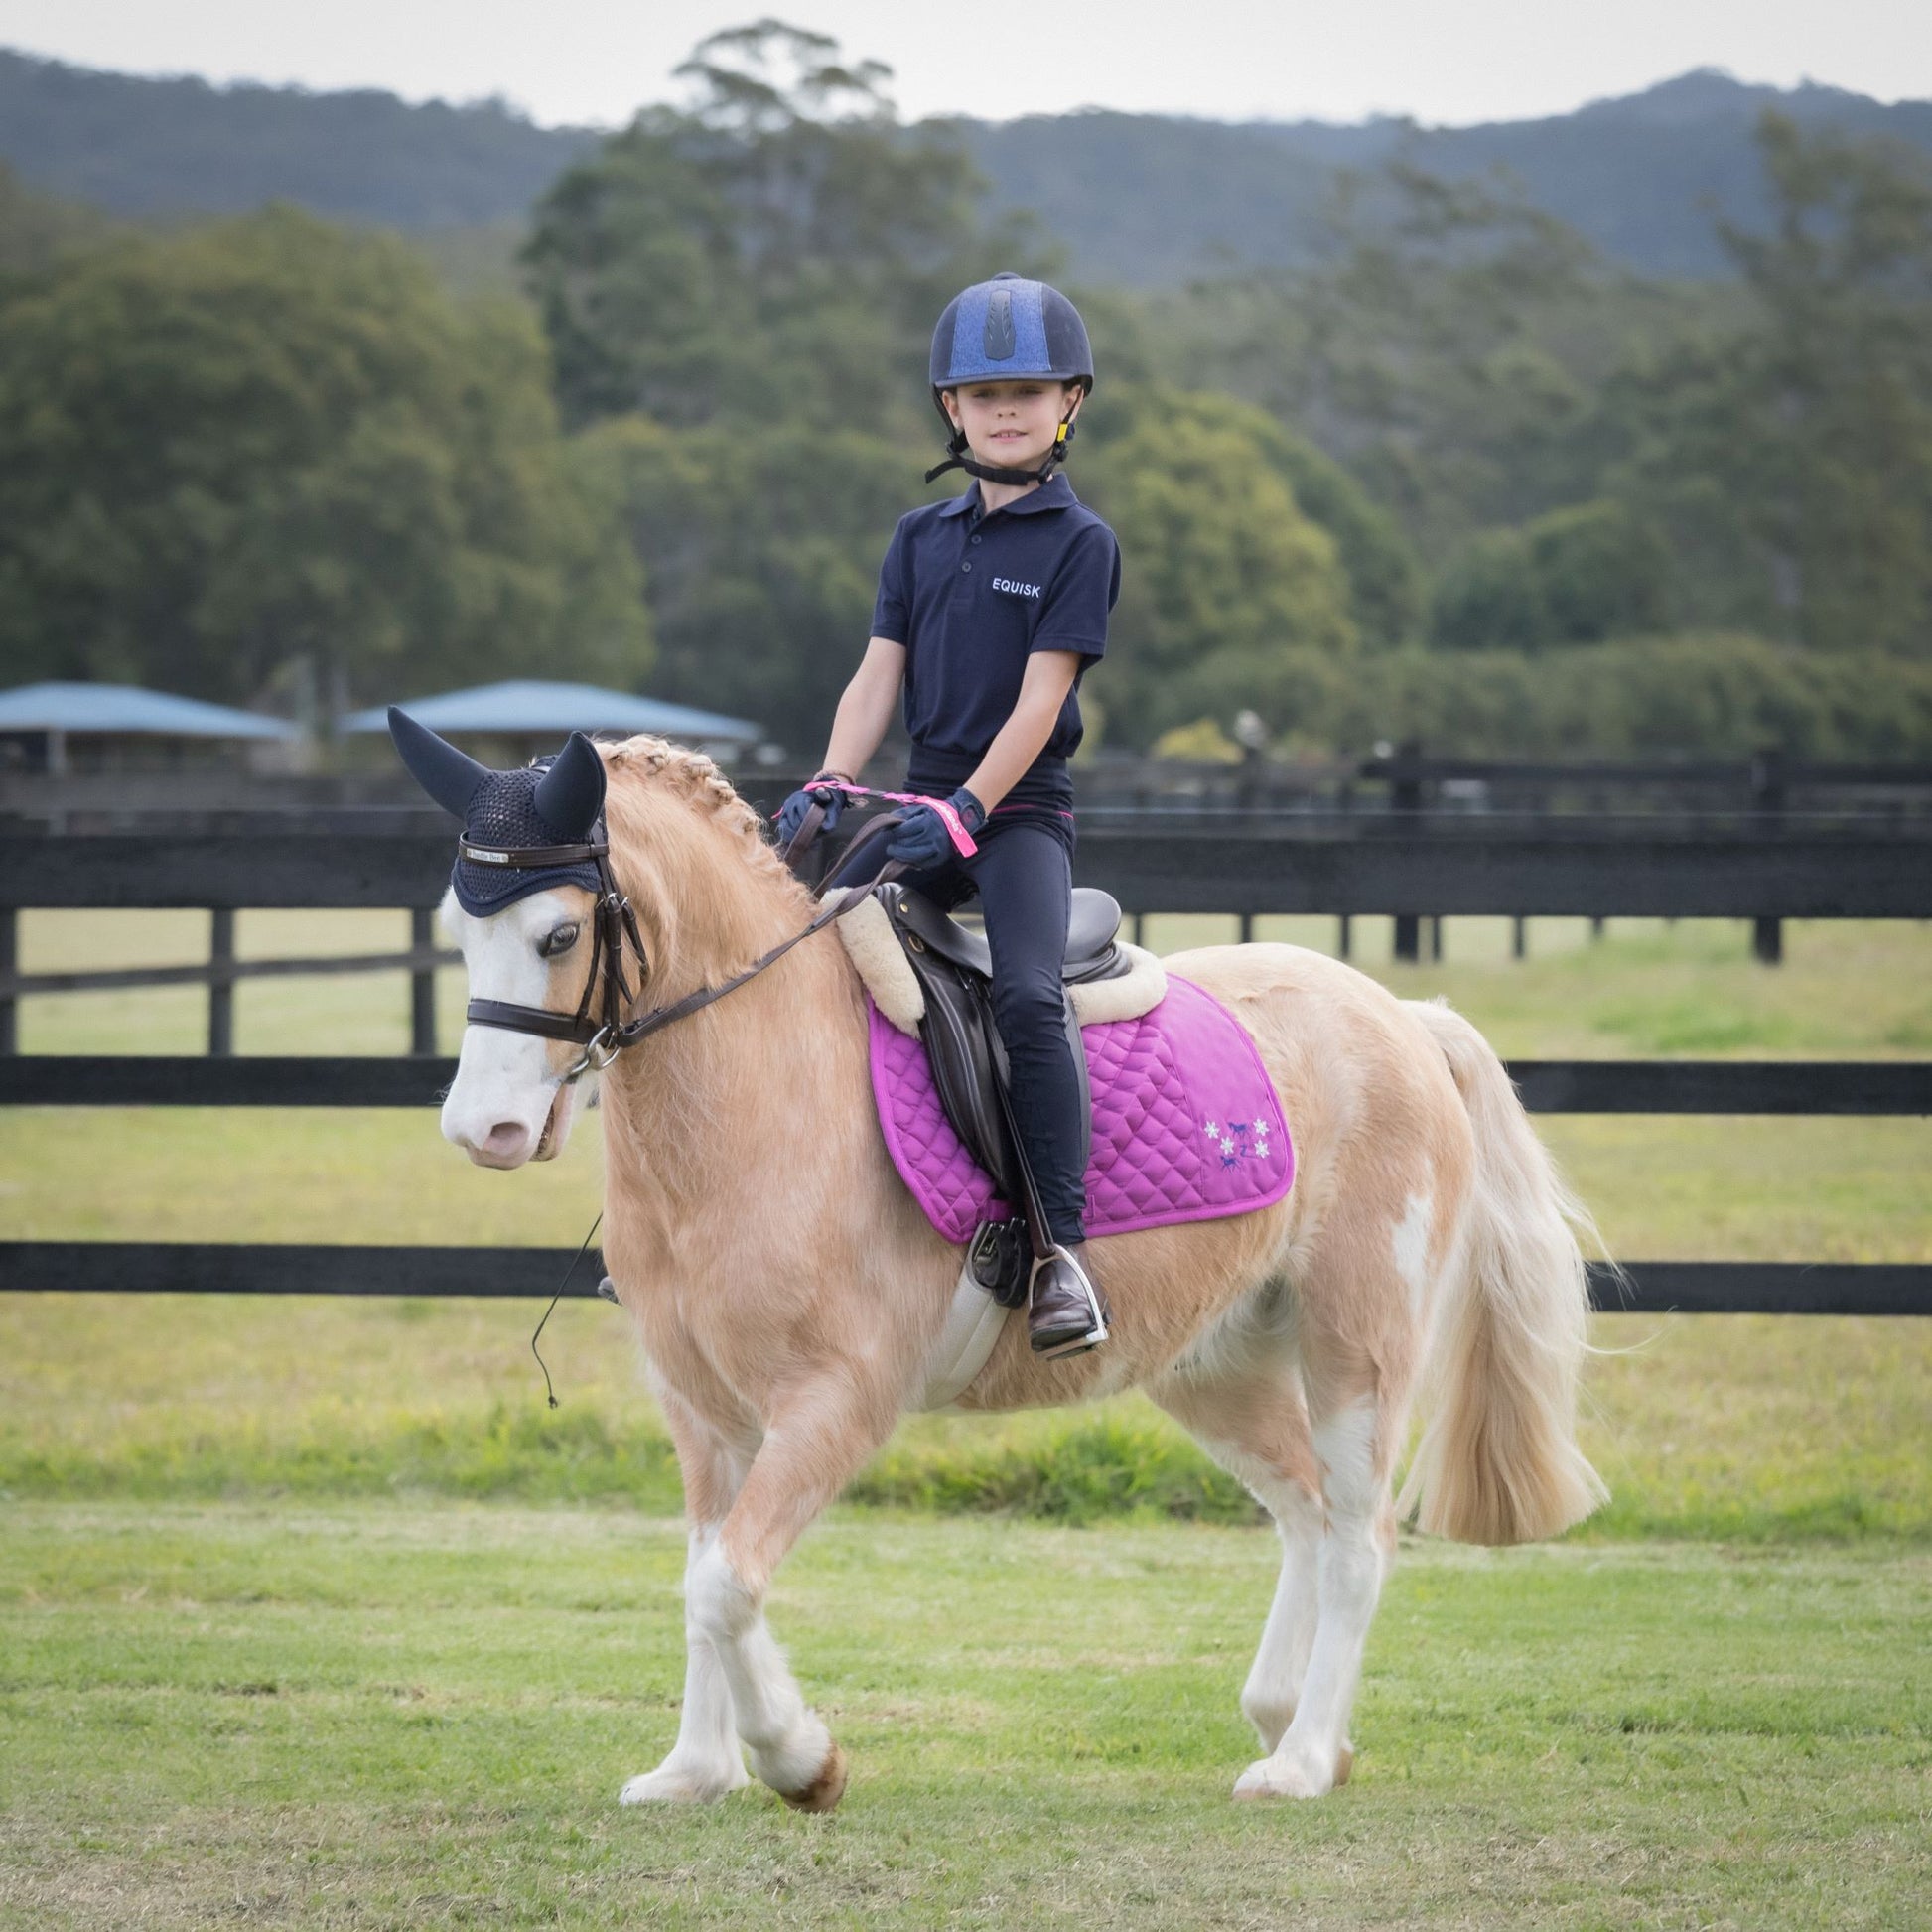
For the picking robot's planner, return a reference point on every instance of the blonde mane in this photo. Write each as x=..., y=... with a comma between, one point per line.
x=708, y=889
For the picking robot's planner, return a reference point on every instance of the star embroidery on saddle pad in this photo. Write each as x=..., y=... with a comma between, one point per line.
x=1213, y=1131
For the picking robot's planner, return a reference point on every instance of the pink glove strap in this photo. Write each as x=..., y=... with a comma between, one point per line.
x=948, y=814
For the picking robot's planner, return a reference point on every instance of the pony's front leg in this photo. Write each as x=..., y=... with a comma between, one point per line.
x=1314, y=1754
x=705, y=1763
x=811, y=1450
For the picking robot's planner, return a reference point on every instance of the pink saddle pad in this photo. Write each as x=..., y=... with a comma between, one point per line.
x=1186, y=1125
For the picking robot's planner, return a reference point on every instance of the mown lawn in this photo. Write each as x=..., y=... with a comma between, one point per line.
x=408, y=1716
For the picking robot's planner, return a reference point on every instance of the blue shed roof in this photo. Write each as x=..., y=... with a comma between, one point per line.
x=126, y=709
x=527, y=707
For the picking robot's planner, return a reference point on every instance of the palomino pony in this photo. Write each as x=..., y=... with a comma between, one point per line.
x=788, y=1290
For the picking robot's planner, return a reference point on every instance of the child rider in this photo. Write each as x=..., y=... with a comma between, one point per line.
x=991, y=606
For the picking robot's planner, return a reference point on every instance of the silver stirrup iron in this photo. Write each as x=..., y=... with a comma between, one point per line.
x=1097, y=1332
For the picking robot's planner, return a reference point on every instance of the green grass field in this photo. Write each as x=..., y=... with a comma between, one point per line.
x=311, y=1614
x=415, y=1715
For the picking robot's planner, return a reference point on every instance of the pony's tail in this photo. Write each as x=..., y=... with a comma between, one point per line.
x=1498, y=1462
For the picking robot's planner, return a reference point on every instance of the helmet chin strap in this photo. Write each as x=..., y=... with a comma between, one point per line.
x=995, y=473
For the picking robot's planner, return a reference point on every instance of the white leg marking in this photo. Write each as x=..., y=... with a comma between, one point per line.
x=705, y=1763
x=1410, y=1242
x=786, y=1742
x=1304, y=1765
x=1274, y=1686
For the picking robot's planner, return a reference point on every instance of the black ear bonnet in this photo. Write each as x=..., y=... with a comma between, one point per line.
x=558, y=801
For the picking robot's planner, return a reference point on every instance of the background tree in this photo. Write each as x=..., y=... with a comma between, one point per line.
x=1571, y=576
x=269, y=442
x=1226, y=580
x=739, y=297
x=1791, y=455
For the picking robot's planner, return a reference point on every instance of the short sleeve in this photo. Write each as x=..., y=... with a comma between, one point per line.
x=892, y=610
x=1073, y=615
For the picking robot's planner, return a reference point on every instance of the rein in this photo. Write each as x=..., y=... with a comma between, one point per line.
x=599, y=1024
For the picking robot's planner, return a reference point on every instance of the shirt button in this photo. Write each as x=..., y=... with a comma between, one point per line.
x=965, y=566
x=976, y=539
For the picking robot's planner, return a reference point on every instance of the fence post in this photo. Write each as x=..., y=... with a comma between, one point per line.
x=1519, y=937
x=1768, y=807
x=220, y=984
x=1345, y=937
x=422, y=984
x=1405, y=795
x=9, y=965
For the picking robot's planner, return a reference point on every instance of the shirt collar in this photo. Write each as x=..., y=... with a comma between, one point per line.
x=1055, y=494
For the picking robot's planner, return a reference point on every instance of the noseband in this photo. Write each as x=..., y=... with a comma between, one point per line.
x=599, y=1024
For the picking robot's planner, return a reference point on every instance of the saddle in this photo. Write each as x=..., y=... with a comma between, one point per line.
x=954, y=968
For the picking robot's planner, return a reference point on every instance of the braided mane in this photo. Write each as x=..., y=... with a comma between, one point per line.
x=696, y=781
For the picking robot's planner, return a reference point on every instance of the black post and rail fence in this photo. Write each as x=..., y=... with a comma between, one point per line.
x=1409, y=863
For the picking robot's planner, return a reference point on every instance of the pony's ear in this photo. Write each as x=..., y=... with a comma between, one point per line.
x=570, y=795
x=450, y=776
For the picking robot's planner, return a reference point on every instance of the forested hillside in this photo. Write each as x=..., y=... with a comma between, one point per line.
x=1645, y=180
x=1136, y=200
x=138, y=147
x=1462, y=476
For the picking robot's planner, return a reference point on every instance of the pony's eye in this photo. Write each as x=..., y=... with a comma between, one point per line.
x=559, y=941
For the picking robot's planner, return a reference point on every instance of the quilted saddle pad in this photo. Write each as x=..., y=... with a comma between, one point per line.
x=1186, y=1124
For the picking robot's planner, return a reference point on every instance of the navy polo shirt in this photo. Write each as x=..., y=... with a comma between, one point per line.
x=972, y=595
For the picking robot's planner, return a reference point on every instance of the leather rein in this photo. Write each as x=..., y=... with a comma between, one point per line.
x=599, y=1024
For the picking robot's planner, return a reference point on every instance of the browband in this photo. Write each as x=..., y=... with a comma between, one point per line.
x=531, y=857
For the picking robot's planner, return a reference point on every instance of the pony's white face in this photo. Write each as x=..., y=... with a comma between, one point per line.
x=508, y=1103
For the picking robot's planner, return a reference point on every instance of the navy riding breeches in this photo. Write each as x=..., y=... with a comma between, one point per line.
x=1023, y=876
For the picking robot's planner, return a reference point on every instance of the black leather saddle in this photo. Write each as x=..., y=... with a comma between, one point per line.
x=954, y=969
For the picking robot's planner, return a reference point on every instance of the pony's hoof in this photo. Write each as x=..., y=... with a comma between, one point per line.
x=669, y=1785
x=825, y=1790
x=1282, y=1777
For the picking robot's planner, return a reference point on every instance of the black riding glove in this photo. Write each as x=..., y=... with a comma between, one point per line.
x=791, y=815
x=924, y=841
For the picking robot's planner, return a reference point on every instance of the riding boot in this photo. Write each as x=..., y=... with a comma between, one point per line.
x=1069, y=1313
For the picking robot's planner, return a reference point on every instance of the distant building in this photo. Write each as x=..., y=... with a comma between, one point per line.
x=58, y=728
x=535, y=714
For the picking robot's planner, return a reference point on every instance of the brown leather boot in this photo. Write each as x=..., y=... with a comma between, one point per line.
x=1069, y=1313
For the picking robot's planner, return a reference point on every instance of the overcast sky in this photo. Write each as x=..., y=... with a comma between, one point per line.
x=1442, y=60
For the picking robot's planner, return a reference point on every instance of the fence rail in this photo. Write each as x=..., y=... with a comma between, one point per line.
x=244, y=1268
x=1629, y=867
x=1872, y=1088
x=1410, y=865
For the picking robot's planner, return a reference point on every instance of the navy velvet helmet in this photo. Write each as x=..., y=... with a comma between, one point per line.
x=1002, y=331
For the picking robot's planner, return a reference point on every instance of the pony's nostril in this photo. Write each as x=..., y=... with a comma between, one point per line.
x=508, y=1137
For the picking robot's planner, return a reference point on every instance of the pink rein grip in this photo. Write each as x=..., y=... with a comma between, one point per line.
x=948, y=814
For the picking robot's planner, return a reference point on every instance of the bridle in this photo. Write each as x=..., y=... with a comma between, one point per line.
x=599, y=1024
